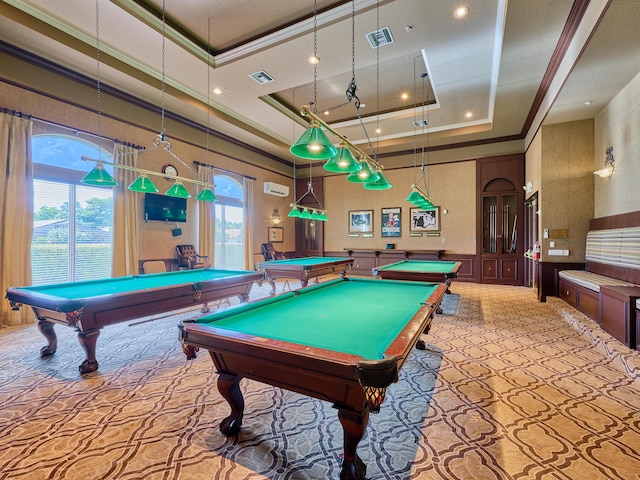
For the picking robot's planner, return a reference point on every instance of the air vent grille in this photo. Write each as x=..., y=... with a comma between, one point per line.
x=262, y=77
x=420, y=123
x=380, y=37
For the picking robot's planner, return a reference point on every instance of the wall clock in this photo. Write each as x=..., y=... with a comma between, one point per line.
x=170, y=170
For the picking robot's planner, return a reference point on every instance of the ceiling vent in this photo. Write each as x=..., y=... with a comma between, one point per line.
x=262, y=77
x=380, y=37
x=420, y=123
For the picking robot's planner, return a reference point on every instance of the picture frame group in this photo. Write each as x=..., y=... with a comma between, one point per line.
x=421, y=220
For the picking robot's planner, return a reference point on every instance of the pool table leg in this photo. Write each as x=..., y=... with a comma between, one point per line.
x=354, y=425
x=272, y=282
x=229, y=388
x=46, y=329
x=88, y=341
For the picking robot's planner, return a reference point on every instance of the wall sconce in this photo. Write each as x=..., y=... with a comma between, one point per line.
x=609, y=165
x=275, y=216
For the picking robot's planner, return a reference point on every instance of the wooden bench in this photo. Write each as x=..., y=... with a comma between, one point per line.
x=612, y=262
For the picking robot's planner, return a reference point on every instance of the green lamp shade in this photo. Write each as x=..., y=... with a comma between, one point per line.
x=343, y=162
x=323, y=217
x=365, y=175
x=414, y=196
x=206, y=195
x=178, y=190
x=99, y=177
x=381, y=184
x=294, y=212
x=143, y=184
x=314, y=144
x=305, y=214
x=315, y=215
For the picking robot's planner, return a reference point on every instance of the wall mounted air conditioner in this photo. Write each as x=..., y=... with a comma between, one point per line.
x=275, y=189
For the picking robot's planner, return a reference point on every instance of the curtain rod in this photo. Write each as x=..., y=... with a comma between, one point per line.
x=200, y=164
x=16, y=113
x=195, y=162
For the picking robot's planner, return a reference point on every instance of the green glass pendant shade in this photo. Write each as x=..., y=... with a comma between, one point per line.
x=414, y=196
x=294, y=212
x=143, y=184
x=305, y=214
x=381, y=184
x=206, y=195
x=365, y=175
x=323, y=217
x=343, y=162
x=314, y=144
x=315, y=215
x=99, y=177
x=178, y=190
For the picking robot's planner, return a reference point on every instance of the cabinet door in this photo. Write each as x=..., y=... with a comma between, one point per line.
x=499, y=238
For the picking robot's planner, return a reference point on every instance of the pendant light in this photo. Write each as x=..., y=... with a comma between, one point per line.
x=99, y=176
x=314, y=143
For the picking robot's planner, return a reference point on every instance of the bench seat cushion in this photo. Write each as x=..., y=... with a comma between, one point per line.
x=590, y=280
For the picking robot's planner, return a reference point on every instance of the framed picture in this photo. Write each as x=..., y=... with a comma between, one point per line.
x=425, y=220
x=360, y=221
x=391, y=222
x=275, y=234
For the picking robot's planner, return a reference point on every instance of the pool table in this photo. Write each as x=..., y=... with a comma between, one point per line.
x=342, y=341
x=419, y=270
x=303, y=268
x=90, y=305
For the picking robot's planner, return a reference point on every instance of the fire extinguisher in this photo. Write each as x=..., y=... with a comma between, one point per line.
x=536, y=251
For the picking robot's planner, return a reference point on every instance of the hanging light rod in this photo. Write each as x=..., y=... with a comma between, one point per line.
x=305, y=111
x=149, y=172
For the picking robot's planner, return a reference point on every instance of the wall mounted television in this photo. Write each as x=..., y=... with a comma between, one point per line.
x=164, y=208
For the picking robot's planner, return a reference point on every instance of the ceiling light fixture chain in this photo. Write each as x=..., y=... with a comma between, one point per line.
x=98, y=85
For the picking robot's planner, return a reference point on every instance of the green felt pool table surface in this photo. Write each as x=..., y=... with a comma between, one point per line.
x=421, y=266
x=91, y=305
x=305, y=261
x=356, y=316
x=124, y=285
x=304, y=269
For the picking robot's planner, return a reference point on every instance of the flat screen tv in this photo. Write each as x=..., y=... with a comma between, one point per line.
x=165, y=208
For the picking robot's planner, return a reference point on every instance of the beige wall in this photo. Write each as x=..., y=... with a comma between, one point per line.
x=155, y=238
x=451, y=187
x=618, y=126
x=566, y=191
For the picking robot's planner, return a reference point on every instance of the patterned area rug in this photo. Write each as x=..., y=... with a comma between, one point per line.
x=506, y=389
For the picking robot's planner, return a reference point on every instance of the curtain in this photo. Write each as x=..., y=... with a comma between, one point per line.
x=125, y=214
x=16, y=213
x=247, y=187
x=206, y=216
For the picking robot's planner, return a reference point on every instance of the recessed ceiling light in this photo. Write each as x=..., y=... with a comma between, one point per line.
x=461, y=12
x=404, y=96
x=468, y=114
x=217, y=91
x=326, y=112
x=378, y=130
x=314, y=59
x=588, y=102
x=363, y=105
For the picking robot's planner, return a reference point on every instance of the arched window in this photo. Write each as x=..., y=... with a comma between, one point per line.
x=229, y=224
x=73, y=223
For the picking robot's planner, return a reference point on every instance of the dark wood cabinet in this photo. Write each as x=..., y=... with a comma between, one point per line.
x=309, y=233
x=500, y=219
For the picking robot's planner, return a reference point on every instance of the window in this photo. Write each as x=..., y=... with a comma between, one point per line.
x=229, y=224
x=73, y=223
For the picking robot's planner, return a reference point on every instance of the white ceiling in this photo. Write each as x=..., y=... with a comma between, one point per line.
x=497, y=63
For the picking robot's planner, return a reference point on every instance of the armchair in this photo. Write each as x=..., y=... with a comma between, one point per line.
x=269, y=253
x=188, y=258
